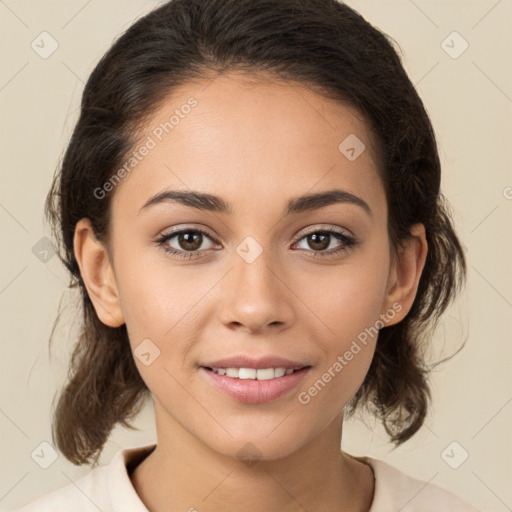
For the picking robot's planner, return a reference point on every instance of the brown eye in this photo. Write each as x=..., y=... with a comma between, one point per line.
x=319, y=241
x=189, y=240
x=185, y=243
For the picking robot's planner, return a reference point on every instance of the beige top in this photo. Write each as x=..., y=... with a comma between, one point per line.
x=109, y=489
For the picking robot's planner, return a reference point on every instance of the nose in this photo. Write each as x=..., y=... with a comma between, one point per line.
x=257, y=296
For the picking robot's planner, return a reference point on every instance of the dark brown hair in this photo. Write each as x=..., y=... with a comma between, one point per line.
x=322, y=44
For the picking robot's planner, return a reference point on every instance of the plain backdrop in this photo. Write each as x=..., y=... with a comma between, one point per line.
x=457, y=54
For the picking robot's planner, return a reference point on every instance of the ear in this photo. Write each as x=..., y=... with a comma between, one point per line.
x=405, y=273
x=97, y=273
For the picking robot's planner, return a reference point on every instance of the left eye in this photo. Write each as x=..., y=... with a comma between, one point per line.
x=321, y=240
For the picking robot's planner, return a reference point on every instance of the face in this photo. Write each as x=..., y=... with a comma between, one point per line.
x=253, y=273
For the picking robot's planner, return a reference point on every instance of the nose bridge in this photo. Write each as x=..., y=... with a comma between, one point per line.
x=255, y=295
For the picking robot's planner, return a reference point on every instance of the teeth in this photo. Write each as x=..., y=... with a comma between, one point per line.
x=265, y=374
x=253, y=373
x=232, y=372
x=247, y=373
x=279, y=372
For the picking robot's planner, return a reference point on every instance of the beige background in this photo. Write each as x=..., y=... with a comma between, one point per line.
x=469, y=99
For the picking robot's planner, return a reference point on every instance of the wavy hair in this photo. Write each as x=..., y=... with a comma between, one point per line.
x=323, y=44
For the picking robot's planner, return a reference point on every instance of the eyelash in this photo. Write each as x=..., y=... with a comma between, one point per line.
x=349, y=242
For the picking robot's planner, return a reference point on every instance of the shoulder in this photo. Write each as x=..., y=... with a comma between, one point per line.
x=84, y=494
x=395, y=490
x=106, y=488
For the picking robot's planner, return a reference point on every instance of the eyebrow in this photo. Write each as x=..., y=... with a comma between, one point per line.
x=305, y=203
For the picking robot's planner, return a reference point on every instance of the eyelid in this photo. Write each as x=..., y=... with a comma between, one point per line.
x=346, y=239
x=308, y=231
x=167, y=235
x=329, y=229
x=187, y=227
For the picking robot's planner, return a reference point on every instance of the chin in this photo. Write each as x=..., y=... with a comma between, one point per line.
x=259, y=446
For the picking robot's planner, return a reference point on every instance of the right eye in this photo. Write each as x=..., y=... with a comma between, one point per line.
x=190, y=240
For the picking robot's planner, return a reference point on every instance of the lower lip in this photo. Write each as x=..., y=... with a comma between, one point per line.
x=252, y=391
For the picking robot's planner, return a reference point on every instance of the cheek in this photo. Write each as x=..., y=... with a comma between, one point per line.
x=352, y=315
x=164, y=310
x=155, y=297
x=351, y=298
x=349, y=304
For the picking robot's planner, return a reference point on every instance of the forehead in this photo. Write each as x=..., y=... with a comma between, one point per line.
x=251, y=140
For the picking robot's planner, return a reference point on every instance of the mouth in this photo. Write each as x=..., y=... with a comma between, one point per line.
x=255, y=373
x=255, y=385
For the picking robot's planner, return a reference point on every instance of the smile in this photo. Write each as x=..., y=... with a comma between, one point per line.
x=255, y=385
x=253, y=373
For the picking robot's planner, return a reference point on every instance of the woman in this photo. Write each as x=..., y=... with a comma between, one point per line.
x=250, y=206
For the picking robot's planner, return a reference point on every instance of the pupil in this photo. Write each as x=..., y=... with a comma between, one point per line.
x=186, y=240
x=315, y=243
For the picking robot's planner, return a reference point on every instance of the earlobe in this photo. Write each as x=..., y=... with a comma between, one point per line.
x=97, y=274
x=406, y=272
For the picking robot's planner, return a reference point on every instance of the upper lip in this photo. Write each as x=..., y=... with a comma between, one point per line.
x=245, y=361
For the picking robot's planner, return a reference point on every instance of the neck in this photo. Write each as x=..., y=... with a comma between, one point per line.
x=182, y=473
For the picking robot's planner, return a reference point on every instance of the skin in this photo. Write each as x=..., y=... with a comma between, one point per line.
x=254, y=144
